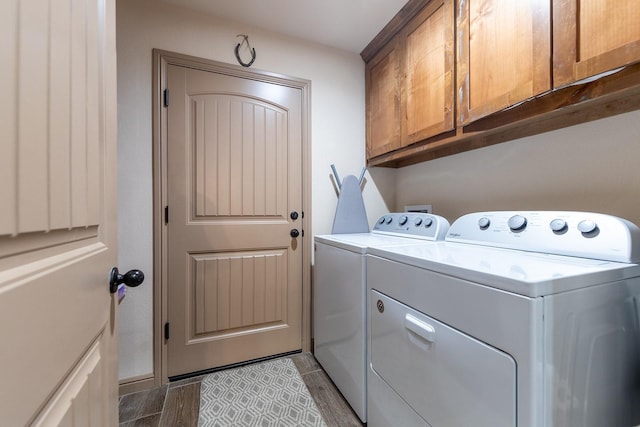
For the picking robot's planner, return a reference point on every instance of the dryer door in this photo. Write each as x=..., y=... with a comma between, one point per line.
x=447, y=377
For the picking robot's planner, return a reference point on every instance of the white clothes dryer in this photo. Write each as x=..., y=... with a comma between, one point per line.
x=517, y=318
x=339, y=295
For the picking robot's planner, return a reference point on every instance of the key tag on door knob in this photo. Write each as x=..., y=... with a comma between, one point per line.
x=131, y=278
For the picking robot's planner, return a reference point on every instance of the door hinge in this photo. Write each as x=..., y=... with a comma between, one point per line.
x=166, y=97
x=166, y=215
x=166, y=331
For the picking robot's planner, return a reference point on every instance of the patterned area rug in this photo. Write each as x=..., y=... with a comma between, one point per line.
x=265, y=394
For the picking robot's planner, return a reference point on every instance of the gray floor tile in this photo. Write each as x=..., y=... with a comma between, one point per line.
x=141, y=404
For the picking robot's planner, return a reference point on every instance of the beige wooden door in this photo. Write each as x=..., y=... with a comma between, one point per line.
x=58, y=351
x=234, y=176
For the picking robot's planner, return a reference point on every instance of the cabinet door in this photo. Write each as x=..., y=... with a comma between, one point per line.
x=428, y=96
x=383, y=81
x=593, y=36
x=504, y=54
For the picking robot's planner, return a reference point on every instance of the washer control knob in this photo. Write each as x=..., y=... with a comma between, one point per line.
x=517, y=223
x=558, y=225
x=403, y=220
x=381, y=220
x=388, y=220
x=428, y=222
x=417, y=222
x=484, y=223
x=587, y=226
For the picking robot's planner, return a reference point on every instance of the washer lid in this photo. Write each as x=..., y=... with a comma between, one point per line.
x=525, y=273
x=360, y=242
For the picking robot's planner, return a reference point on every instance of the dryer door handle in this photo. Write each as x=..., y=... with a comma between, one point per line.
x=420, y=328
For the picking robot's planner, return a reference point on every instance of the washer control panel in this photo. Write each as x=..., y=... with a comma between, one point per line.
x=412, y=224
x=581, y=234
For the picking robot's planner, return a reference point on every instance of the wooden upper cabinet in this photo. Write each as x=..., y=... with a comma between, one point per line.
x=593, y=36
x=409, y=82
x=382, y=80
x=519, y=71
x=504, y=54
x=428, y=90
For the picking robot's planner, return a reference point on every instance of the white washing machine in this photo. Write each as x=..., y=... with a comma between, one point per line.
x=528, y=319
x=339, y=295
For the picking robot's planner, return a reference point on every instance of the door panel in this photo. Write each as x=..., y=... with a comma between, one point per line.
x=504, y=49
x=586, y=43
x=238, y=290
x=383, y=88
x=79, y=402
x=429, y=58
x=244, y=178
x=234, y=173
x=57, y=220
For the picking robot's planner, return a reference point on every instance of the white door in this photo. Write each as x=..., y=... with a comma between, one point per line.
x=234, y=165
x=58, y=351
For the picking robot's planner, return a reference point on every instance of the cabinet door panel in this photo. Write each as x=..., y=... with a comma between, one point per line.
x=429, y=92
x=383, y=101
x=503, y=56
x=594, y=36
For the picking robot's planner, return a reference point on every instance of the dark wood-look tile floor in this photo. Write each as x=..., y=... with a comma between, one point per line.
x=177, y=404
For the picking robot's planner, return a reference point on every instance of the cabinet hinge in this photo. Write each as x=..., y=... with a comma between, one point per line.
x=166, y=215
x=166, y=331
x=166, y=97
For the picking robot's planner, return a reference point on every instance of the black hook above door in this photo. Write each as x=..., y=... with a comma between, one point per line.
x=252, y=50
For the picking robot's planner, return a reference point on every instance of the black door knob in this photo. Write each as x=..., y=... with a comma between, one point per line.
x=294, y=215
x=131, y=278
x=294, y=233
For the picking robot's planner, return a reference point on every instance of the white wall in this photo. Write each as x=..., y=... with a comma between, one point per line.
x=588, y=167
x=337, y=124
